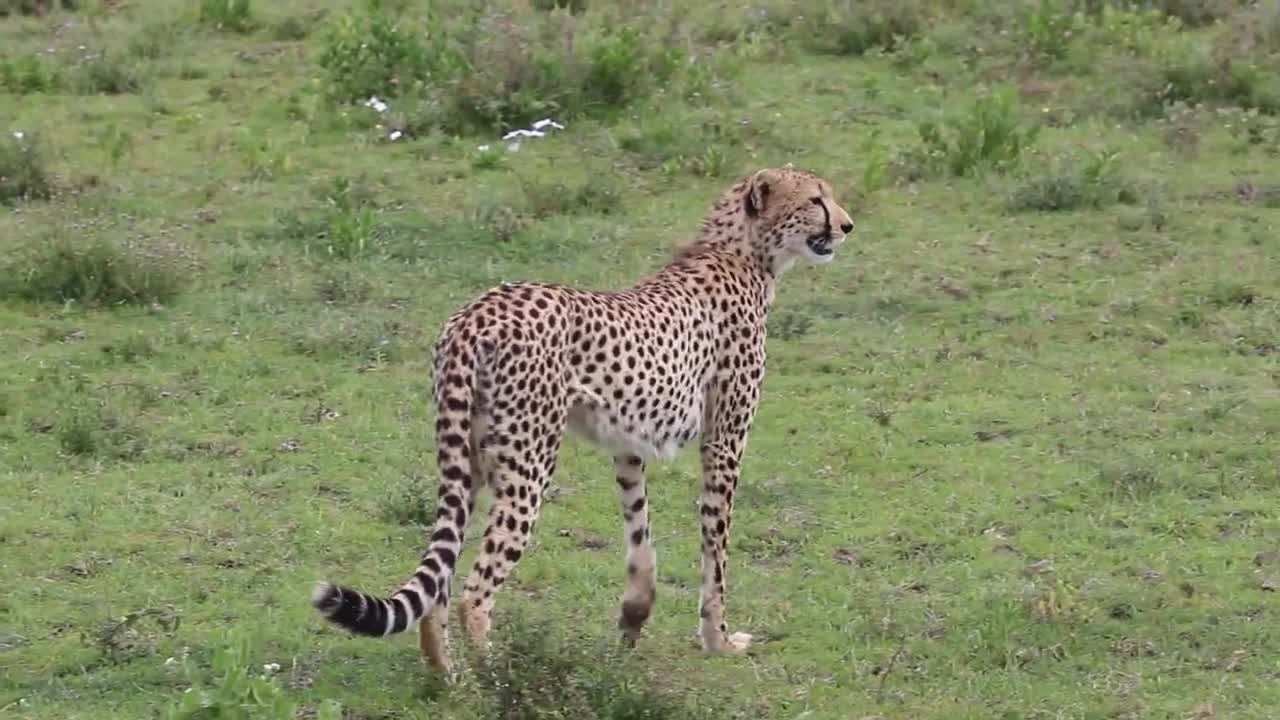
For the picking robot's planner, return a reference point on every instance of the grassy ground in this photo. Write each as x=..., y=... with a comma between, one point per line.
x=1016, y=452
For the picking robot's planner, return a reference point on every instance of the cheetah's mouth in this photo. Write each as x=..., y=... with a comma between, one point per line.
x=821, y=245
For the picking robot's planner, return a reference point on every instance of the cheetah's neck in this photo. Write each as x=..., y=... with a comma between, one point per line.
x=725, y=228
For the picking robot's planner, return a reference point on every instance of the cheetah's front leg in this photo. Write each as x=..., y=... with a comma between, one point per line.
x=719, y=480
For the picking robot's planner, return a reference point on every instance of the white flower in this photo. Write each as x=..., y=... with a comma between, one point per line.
x=19, y=134
x=270, y=668
x=483, y=148
x=376, y=104
x=395, y=135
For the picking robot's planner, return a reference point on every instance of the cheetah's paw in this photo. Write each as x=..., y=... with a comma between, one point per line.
x=738, y=643
x=733, y=644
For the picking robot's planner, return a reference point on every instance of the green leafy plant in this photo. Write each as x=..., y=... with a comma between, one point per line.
x=988, y=135
x=373, y=55
x=107, y=74
x=29, y=74
x=533, y=674
x=23, y=172
x=1048, y=29
x=228, y=15
x=231, y=689
x=1094, y=182
x=854, y=27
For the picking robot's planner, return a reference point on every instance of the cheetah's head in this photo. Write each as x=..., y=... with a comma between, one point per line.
x=795, y=216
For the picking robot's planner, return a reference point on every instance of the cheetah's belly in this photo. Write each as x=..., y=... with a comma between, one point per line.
x=651, y=438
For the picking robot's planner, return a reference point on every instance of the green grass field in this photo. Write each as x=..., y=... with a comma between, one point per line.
x=1016, y=453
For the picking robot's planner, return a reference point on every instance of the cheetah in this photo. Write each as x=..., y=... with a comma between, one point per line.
x=640, y=373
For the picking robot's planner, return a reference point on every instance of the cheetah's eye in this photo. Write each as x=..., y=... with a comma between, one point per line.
x=816, y=200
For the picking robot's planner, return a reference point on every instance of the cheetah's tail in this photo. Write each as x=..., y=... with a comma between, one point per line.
x=365, y=614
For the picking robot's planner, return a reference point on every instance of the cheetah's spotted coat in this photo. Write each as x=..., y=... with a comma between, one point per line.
x=639, y=372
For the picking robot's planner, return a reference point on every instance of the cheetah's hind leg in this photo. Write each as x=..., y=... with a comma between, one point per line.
x=641, y=582
x=433, y=638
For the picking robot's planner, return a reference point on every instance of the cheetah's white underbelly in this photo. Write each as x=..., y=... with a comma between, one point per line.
x=594, y=422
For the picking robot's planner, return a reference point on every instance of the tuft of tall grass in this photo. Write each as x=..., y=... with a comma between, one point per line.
x=93, y=272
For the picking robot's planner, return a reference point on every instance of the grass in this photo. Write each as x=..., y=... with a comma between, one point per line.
x=1015, y=452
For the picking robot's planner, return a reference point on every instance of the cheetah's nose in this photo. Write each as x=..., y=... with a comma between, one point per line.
x=846, y=228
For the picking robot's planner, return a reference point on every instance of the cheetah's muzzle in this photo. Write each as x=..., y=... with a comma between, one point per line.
x=821, y=244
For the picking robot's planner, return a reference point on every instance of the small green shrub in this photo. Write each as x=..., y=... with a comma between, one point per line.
x=351, y=232
x=854, y=27
x=1094, y=183
x=1158, y=66
x=227, y=15
x=1197, y=13
x=77, y=433
x=1131, y=30
x=1195, y=73
x=489, y=157
x=790, y=325
x=340, y=338
x=23, y=175
x=1048, y=28
x=989, y=135
x=263, y=158
x=131, y=349
x=35, y=7
x=348, y=228
x=107, y=74
x=93, y=272
x=482, y=70
x=1151, y=63
x=499, y=221
x=291, y=29
x=352, y=226
x=29, y=74
x=681, y=141
x=1251, y=129
x=372, y=55
x=410, y=501
x=233, y=687
x=87, y=429
x=536, y=673
x=502, y=82
x=342, y=286
x=1129, y=482
x=153, y=41
x=544, y=199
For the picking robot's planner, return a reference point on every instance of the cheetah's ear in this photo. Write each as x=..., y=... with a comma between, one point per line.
x=757, y=193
